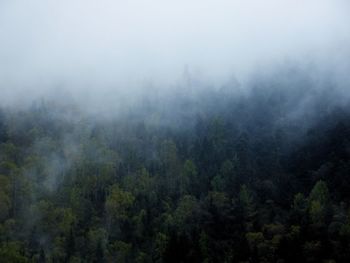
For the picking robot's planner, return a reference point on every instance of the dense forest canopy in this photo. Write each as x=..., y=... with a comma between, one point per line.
x=199, y=131
x=196, y=175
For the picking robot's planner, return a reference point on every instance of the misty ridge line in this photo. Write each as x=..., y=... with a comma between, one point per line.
x=305, y=81
x=290, y=95
x=291, y=99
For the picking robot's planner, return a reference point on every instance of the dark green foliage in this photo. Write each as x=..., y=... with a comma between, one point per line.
x=239, y=182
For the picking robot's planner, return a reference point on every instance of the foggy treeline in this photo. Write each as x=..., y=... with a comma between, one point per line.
x=174, y=131
x=186, y=175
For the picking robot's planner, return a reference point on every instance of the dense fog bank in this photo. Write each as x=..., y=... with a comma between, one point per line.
x=99, y=51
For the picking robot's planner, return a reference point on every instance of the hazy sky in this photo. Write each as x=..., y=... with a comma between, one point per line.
x=117, y=44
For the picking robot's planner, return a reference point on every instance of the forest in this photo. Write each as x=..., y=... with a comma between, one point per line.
x=197, y=175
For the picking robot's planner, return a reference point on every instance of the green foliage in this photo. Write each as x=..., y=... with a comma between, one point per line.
x=248, y=207
x=254, y=239
x=186, y=214
x=320, y=193
x=154, y=187
x=5, y=205
x=160, y=243
x=120, y=251
x=11, y=252
x=118, y=203
x=299, y=203
x=318, y=203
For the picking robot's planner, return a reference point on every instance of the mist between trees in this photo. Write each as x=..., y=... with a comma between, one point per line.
x=183, y=175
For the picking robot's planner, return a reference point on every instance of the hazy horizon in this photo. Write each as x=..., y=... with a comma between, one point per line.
x=96, y=49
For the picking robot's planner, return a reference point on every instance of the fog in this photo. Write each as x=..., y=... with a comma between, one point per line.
x=96, y=49
x=174, y=131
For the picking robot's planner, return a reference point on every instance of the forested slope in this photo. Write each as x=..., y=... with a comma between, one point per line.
x=213, y=177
